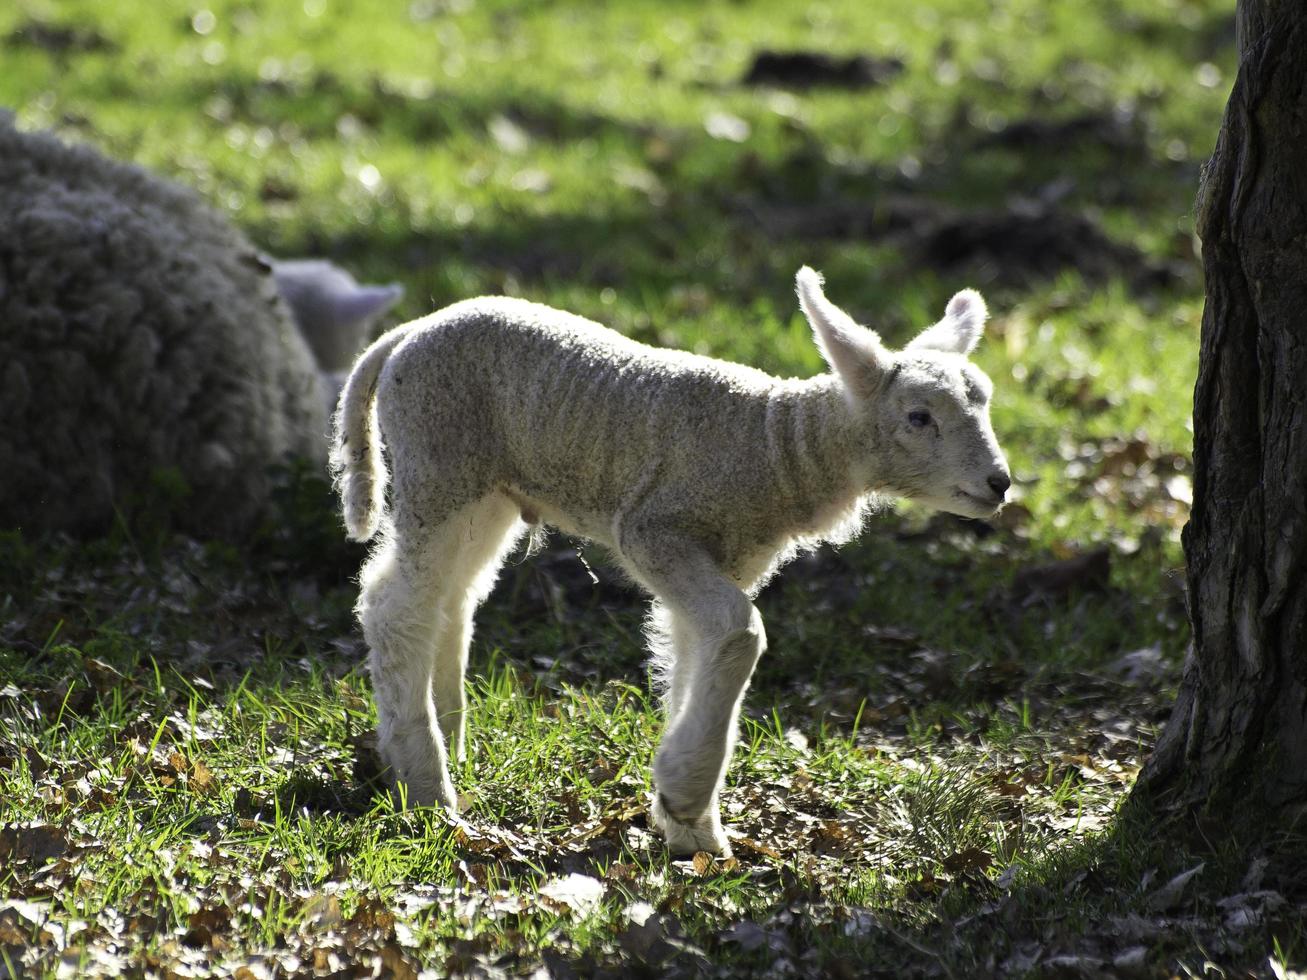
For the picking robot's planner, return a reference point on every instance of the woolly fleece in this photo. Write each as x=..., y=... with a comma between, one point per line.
x=138, y=330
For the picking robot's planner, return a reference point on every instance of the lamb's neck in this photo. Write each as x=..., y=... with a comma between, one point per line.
x=813, y=445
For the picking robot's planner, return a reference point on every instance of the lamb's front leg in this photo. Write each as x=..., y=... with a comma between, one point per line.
x=722, y=639
x=669, y=635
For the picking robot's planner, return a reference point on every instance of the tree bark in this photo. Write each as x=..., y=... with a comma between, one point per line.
x=1237, y=740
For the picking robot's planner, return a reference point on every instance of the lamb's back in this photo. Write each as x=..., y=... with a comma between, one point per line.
x=575, y=414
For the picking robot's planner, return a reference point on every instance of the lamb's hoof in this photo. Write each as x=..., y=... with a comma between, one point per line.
x=412, y=796
x=684, y=838
x=422, y=785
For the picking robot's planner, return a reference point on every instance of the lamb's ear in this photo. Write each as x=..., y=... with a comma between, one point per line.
x=853, y=352
x=960, y=330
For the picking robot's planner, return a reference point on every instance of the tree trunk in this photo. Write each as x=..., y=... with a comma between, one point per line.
x=1237, y=740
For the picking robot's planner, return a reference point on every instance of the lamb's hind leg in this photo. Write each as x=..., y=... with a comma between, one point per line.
x=481, y=549
x=721, y=639
x=411, y=583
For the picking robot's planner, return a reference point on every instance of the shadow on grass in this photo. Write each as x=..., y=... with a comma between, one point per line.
x=1083, y=904
x=728, y=216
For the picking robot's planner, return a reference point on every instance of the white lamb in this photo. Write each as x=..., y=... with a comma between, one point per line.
x=700, y=476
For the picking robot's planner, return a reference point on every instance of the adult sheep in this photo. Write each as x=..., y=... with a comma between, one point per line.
x=139, y=331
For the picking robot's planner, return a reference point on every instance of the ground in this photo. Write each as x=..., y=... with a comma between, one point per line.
x=937, y=745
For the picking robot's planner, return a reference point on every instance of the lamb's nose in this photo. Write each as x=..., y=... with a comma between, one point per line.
x=999, y=483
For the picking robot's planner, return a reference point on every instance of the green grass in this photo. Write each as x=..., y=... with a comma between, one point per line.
x=933, y=754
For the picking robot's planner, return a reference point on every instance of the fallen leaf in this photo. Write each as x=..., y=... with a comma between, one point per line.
x=1171, y=895
x=373, y=913
x=12, y=932
x=322, y=913
x=926, y=886
x=749, y=936
x=757, y=848
x=35, y=764
x=832, y=838
x=204, y=924
x=397, y=963
x=202, y=779
x=102, y=675
x=618, y=871
x=1249, y=909
x=577, y=892
x=1131, y=961
x=968, y=859
x=638, y=912
x=31, y=843
x=1141, y=665
x=1087, y=572
x=796, y=740
x=1009, y=784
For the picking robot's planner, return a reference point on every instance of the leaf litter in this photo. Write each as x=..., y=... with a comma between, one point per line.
x=863, y=791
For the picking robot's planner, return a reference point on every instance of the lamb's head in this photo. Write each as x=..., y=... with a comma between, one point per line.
x=922, y=414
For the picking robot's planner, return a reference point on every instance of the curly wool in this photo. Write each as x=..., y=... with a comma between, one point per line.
x=139, y=331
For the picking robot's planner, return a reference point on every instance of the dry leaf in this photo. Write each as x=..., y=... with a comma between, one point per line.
x=322, y=912
x=1085, y=573
x=1171, y=894
x=31, y=843
x=577, y=892
x=397, y=963
x=968, y=859
x=757, y=848
x=202, y=779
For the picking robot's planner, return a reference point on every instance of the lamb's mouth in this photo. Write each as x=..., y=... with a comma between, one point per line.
x=988, y=504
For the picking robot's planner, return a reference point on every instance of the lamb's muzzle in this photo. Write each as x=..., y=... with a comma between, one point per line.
x=701, y=477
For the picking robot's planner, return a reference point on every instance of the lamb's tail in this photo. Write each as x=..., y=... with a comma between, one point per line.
x=356, y=462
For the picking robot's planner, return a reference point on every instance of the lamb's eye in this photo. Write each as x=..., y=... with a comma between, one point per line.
x=918, y=420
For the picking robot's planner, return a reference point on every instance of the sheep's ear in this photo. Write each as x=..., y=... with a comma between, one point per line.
x=363, y=303
x=960, y=330
x=853, y=352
